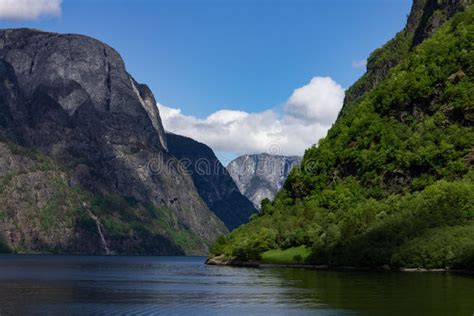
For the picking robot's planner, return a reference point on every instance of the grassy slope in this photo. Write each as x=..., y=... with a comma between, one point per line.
x=295, y=255
x=394, y=173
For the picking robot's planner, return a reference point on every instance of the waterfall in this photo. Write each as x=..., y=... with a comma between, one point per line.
x=102, y=238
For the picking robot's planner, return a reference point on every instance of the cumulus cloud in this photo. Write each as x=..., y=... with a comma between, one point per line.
x=318, y=101
x=307, y=115
x=359, y=63
x=29, y=9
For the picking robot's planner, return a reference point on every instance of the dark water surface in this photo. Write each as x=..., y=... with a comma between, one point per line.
x=65, y=285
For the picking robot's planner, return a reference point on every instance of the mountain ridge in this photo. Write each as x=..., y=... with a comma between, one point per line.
x=69, y=100
x=212, y=180
x=421, y=23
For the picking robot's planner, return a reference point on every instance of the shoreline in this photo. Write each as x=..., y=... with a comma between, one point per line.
x=219, y=261
x=361, y=269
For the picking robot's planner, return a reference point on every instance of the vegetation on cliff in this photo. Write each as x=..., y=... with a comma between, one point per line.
x=84, y=164
x=55, y=217
x=393, y=181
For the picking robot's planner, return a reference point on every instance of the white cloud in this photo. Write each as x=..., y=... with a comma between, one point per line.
x=29, y=9
x=318, y=101
x=359, y=63
x=306, y=117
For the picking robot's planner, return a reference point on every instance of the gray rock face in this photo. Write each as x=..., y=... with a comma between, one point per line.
x=212, y=181
x=71, y=98
x=261, y=176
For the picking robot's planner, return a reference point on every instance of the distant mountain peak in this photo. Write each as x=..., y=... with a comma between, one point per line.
x=260, y=176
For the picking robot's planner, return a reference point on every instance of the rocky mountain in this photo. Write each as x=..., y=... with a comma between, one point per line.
x=392, y=183
x=212, y=181
x=84, y=166
x=261, y=176
x=426, y=16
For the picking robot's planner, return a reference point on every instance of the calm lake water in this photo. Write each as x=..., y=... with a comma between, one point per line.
x=65, y=285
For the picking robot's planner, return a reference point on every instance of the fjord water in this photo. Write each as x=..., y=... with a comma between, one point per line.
x=185, y=285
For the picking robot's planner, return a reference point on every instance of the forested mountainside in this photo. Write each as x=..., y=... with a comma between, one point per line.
x=261, y=176
x=425, y=18
x=393, y=181
x=212, y=180
x=84, y=166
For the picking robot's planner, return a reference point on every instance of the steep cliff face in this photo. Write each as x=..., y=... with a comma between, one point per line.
x=261, y=176
x=426, y=16
x=212, y=181
x=70, y=98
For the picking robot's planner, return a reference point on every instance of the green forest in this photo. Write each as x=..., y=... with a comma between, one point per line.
x=392, y=183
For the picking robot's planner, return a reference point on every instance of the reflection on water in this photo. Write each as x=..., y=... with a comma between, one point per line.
x=169, y=285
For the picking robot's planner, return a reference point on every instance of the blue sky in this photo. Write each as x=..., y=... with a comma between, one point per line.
x=204, y=56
